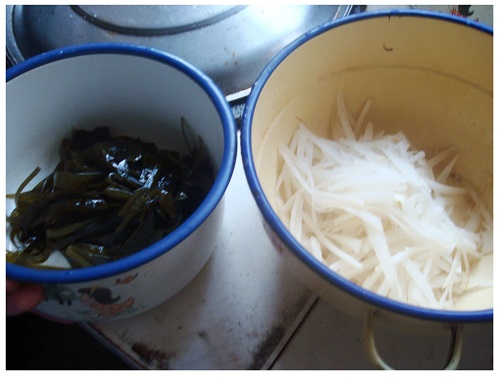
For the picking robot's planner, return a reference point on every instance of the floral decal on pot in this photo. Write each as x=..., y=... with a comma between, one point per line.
x=95, y=300
x=102, y=301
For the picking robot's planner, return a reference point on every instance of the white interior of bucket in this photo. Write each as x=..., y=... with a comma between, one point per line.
x=430, y=78
x=132, y=95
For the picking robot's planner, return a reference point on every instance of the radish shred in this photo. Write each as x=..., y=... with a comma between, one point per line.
x=374, y=210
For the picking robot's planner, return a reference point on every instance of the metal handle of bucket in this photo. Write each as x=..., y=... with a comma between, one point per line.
x=368, y=341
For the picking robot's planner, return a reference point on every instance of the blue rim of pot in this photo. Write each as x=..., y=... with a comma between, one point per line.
x=197, y=217
x=279, y=228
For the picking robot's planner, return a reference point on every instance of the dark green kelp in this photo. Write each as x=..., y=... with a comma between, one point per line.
x=107, y=198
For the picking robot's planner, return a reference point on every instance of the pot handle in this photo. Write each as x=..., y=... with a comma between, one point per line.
x=368, y=341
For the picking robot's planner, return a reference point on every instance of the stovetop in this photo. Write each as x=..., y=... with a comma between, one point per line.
x=230, y=43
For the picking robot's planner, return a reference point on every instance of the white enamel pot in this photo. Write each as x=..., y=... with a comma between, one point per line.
x=135, y=91
x=429, y=75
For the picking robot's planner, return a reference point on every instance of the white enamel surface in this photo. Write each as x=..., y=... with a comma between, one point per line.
x=429, y=78
x=134, y=96
x=243, y=303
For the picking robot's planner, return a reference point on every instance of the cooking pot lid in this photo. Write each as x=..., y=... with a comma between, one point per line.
x=231, y=44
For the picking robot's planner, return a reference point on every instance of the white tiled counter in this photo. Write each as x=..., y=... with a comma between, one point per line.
x=245, y=311
x=328, y=339
x=233, y=315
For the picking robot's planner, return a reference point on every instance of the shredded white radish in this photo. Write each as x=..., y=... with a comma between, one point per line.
x=377, y=212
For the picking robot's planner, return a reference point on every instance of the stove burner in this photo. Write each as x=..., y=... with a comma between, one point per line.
x=158, y=20
x=230, y=44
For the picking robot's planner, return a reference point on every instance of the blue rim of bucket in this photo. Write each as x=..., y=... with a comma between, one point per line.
x=197, y=217
x=279, y=228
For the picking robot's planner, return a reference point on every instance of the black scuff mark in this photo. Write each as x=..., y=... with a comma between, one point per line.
x=266, y=347
x=203, y=335
x=153, y=358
